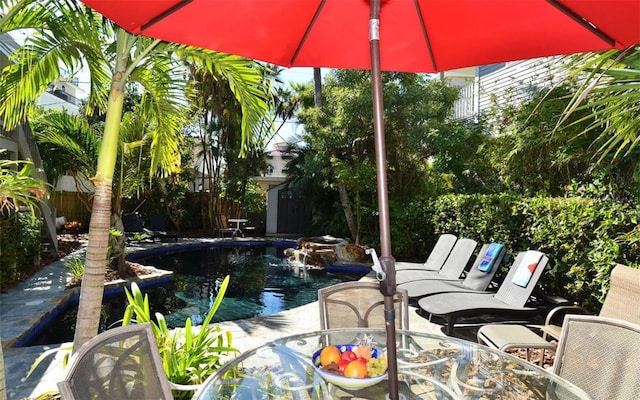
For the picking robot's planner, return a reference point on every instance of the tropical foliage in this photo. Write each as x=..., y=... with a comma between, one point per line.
x=19, y=232
x=608, y=99
x=339, y=158
x=226, y=164
x=189, y=355
x=18, y=187
x=66, y=35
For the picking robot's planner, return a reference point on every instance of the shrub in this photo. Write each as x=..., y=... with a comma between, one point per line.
x=584, y=238
x=485, y=218
x=412, y=232
x=19, y=244
x=76, y=268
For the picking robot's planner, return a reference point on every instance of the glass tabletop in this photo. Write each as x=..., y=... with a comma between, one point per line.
x=429, y=367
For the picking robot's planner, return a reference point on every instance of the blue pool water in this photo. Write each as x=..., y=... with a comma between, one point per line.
x=261, y=283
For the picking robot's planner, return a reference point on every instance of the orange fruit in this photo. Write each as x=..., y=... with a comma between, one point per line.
x=329, y=354
x=355, y=369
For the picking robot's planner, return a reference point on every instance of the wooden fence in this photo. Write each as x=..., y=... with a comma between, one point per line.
x=75, y=206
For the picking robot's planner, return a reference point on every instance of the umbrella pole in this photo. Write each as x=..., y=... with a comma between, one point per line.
x=388, y=285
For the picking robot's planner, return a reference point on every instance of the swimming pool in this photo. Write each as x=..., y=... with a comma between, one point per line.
x=261, y=283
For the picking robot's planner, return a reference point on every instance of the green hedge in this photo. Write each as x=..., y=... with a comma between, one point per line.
x=584, y=238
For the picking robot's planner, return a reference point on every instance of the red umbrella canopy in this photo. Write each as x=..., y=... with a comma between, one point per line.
x=415, y=35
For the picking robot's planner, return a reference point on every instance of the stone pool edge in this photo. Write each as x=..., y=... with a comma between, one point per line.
x=25, y=309
x=36, y=314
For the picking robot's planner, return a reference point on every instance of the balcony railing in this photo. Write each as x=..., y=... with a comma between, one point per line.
x=64, y=96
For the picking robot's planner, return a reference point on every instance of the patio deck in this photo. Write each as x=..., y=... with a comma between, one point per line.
x=26, y=305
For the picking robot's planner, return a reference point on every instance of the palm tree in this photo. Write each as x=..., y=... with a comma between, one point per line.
x=68, y=145
x=317, y=87
x=71, y=34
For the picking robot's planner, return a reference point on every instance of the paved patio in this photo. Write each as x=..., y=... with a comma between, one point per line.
x=28, y=304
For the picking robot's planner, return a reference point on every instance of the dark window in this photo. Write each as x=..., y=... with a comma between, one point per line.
x=487, y=69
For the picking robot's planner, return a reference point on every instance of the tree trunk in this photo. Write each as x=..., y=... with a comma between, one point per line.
x=3, y=383
x=92, y=288
x=317, y=87
x=348, y=212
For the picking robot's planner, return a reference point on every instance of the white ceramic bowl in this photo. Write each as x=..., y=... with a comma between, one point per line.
x=344, y=382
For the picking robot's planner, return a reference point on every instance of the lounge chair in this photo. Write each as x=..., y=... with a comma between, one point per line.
x=134, y=228
x=120, y=363
x=436, y=258
x=477, y=280
x=158, y=225
x=511, y=297
x=452, y=269
x=600, y=356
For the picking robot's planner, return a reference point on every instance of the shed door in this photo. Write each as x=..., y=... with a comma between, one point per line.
x=293, y=214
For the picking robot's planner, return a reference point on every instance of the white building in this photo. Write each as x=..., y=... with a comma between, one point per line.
x=278, y=156
x=63, y=95
x=500, y=84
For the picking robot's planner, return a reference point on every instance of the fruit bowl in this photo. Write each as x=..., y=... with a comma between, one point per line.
x=342, y=381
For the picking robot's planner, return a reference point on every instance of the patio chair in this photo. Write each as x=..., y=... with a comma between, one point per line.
x=453, y=267
x=436, y=258
x=621, y=302
x=120, y=363
x=511, y=297
x=158, y=225
x=225, y=228
x=478, y=278
x=600, y=356
x=134, y=228
x=359, y=304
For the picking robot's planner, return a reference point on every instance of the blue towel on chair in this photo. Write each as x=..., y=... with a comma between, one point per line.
x=489, y=259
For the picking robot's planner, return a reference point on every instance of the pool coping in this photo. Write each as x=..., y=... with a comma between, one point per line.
x=45, y=295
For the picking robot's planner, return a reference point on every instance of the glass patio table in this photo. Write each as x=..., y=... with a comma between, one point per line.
x=429, y=367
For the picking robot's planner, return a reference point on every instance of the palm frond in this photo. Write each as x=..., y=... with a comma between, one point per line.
x=246, y=81
x=63, y=39
x=164, y=103
x=610, y=94
x=72, y=137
